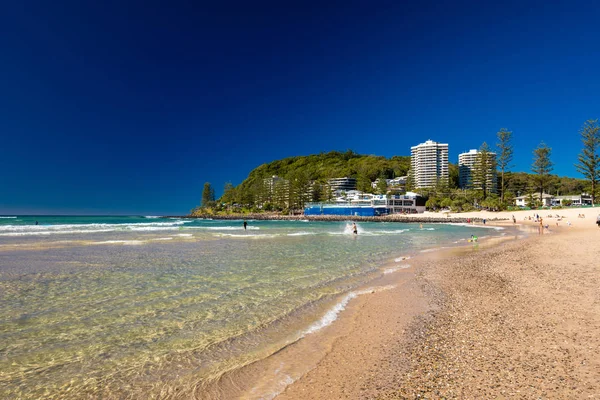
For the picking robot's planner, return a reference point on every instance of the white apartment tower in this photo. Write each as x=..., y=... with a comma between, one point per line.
x=429, y=163
x=466, y=163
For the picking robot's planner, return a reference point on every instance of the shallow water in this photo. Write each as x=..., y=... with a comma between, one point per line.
x=114, y=307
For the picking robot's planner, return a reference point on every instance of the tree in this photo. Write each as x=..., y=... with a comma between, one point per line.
x=208, y=194
x=453, y=176
x=505, y=154
x=541, y=167
x=228, y=194
x=381, y=185
x=484, y=171
x=589, y=159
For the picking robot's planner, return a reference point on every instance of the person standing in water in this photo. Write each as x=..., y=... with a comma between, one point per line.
x=245, y=224
x=354, y=228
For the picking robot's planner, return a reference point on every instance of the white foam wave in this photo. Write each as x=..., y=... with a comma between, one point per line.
x=498, y=228
x=223, y=228
x=433, y=249
x=184, y=234
x=39, y=233
x=151, y=216
x=8, y=217
x=247, y=236
x=165, y=238
x=392, y=231
x=400, y=259
x=301, y=233
x=332, y=314
x=34, y=230
x=394, y=269
x=125, y=242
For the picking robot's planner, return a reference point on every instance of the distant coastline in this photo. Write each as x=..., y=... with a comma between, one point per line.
x=420, y=218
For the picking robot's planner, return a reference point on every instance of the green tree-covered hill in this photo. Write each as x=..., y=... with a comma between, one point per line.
x=303, y=171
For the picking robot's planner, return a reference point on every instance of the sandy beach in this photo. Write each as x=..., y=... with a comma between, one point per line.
x=516, y=319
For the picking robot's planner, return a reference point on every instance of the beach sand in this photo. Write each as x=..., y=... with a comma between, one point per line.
x=520, y=319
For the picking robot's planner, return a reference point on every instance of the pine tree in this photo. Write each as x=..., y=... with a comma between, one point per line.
x=542, y=166
x=484, y=171
x=589, y=158
x=505, y=154
x=208, y=194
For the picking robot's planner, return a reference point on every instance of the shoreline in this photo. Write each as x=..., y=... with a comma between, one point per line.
x=520, y=318
x=349, y=339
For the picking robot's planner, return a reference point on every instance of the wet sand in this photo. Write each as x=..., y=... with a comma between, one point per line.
x=520, y=319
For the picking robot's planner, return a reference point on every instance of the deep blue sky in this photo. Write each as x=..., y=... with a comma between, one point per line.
x=129, y=107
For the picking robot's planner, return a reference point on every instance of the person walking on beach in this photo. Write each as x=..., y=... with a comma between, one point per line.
x=598, y=220
x=245, y=225
x=541, y=226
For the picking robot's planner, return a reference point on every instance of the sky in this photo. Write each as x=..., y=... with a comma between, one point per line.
x=123, y=107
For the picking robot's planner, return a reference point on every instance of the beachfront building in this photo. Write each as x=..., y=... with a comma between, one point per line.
x=467, y=163
x=409, y=203
x=572, y=200
x=545, y=199
x=429, y=163
x=356, y=203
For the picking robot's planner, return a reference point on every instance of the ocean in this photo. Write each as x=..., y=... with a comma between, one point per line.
x=149, y=307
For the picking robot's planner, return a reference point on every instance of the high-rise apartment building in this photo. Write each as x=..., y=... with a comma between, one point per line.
x=429, y=163
x=466, y=164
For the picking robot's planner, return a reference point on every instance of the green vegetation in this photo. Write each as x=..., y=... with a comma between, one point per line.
x=505, y=154
x=541, y=167
x=303, y=180
x=589, y=159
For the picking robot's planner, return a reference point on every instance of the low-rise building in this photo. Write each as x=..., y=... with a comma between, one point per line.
x=546, y=199
x=573, y=200
x=356, y=203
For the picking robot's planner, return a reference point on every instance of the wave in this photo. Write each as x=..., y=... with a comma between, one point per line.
x=498, y=228
x=394, y=269
x=393, y=231
x=36, y=230
x=332, y=314
x=400, y=259
x=151, y=216
x=301, y=233
x=225, y=228
x=125, y=242
x=8, y=217
x=247, y=236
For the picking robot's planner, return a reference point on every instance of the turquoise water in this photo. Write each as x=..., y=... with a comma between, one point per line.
x=116, y=307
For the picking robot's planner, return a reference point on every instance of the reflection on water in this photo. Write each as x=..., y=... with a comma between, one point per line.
x=117, y=308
